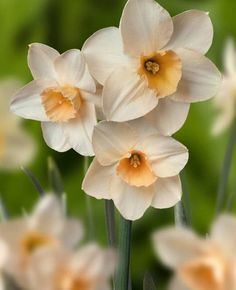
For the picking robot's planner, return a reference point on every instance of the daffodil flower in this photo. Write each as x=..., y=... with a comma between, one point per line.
x=46, y=227
x=225, y=100
x=200, y=264
x=61, y=97
x=135, y=166
x=150, y=57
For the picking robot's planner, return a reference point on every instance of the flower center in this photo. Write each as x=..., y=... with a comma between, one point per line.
x=68, y=280
x=152, y=66
x=136, y=170
x=61, y=104
x=33, y=241
x=162, y=71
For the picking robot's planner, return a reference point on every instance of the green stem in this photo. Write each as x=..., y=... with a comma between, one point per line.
x=123, y=271
x=110, y=221
x=89, y=205
x=226, y=170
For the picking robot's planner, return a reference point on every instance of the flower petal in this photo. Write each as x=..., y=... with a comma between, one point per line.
x=131, y=201
x=200, y=79
x=111, y=141
x=104, y=52
x=48, y=216
x=27, y=101
x=168, y=117
x=166, y=155
x=126, y=96
x=168, y=192
x=54, y=136
x=176, y=245
x=72, y=69
x=79, y=130
x=177, y=284
x=97, y=180
x=145, y=27
x=230, y=57
x=40, y=61
x=223, y=232
x=193, y=30
x=72, y=233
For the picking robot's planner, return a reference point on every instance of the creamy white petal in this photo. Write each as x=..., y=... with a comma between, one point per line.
x=169, y=116
x=177, y=284
x=229, y=57
x=167, y=156
x=131, y=201
x=79, y=131
x=168, y=192
x=104, y=52
x=201, y=79
x=27, y=101
x=145, y=27
x=126, y=96
x=176, y=245
x=224, y=233
x=72, y=233
x=41, y=61
x=54, y=136
x=193, y=29
x=72, y=70
x=97, y=180
x=111, y=141
x=48, y=216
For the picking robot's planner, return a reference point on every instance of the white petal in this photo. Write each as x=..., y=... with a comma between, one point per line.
x=48, y=216
x=72, y=69
x=230, y=57
x=167, y=156
x=111, y=141
x=54, y=136
x=40, y=61
x=168, y=192
x=131, y=201
x=145, y=27
x=126, y=96
x=72, y=233
x=176, y=245
x=79, y=131
x=193, y=30
x=169, y=116
x=104, y=52
x=177, y=284
x=201, y=79
x=224, y=233
x=97, y=180
x=27, y=101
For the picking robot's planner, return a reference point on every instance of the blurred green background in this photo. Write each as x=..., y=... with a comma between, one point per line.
x=66, y=24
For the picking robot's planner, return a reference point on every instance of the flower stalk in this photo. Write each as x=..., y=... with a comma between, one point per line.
x=110, y=222
x=123, y=271
x=226, y=169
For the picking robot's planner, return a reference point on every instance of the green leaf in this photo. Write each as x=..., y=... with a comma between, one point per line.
x=34, y=180
x=55, y=179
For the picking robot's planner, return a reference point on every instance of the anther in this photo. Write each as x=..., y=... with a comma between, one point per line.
x=152, y=67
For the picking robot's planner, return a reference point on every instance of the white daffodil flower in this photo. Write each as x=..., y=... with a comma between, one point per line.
x=152, y=56
x=225, y=101
x=200, y=264
x=61, y=97
x=16, y=145
x=3, y=260
x=135, y=166
x=88, y=268
x=46, y=227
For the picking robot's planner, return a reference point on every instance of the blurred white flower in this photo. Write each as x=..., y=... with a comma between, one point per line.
x=17, y=147
x=3, y=259
x=88, y=268
x=135, y=166
x=46, y=227
x=152, y=56
x=200, y=264
x=61, y=97
x=225, y=101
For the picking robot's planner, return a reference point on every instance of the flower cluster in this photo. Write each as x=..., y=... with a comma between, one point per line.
x=143, y=76
x=43, y=250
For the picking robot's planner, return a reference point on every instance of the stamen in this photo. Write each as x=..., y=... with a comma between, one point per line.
x=152, y=66
x=135, y=160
